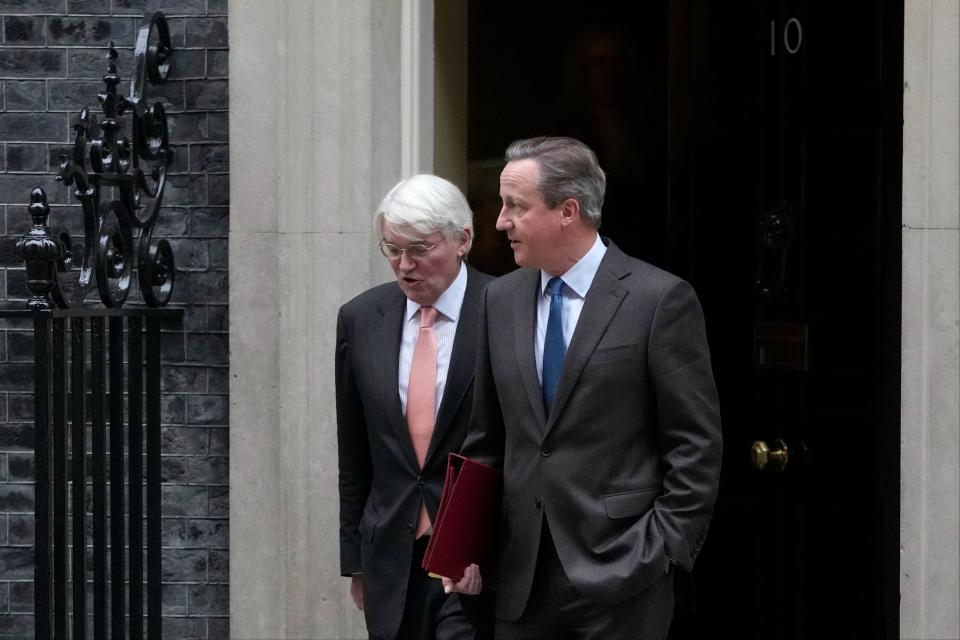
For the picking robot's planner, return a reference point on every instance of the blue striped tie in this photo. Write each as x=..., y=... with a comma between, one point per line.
x=554, y=349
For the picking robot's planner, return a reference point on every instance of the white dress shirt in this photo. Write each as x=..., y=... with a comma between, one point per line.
x=445, y=328
x=576, y=283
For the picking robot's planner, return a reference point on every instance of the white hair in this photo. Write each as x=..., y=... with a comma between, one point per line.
x=424, y=204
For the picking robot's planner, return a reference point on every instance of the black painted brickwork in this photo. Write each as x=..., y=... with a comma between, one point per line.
x=51, y=62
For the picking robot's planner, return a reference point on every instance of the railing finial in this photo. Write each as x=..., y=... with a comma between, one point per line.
x=41, y=252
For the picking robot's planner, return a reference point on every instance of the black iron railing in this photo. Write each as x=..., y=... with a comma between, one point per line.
x=99, y=369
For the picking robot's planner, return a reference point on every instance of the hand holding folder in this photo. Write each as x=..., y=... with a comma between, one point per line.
x=467, y=519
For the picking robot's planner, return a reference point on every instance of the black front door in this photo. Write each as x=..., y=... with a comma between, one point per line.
x=753, y=147
x=785, y=170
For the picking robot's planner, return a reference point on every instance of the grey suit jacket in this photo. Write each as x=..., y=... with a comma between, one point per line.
x=625, y=467
x=381, y=483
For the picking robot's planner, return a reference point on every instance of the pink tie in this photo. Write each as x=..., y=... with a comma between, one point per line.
x=422, y=397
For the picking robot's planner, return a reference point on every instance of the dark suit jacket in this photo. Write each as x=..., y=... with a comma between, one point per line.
x=625, y=468
x=381, y=484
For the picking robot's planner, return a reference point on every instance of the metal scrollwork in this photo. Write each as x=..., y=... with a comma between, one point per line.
x=132, y=169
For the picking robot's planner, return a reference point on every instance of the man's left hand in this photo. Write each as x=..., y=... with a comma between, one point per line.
x=470, y=584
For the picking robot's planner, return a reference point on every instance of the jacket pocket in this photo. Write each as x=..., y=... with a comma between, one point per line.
x=630, y=503
x=613, y=353
x=368, y=524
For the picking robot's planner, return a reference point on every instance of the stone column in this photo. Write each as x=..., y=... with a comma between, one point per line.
x=315, y=133
x=930, y=385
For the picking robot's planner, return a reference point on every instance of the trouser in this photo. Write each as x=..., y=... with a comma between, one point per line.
x=556, y=610
x=429, y=613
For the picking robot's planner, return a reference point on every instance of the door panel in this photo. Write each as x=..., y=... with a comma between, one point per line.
x=843, y=41
x=813, y=145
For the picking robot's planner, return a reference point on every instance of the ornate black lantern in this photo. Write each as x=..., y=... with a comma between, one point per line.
x=131, y=170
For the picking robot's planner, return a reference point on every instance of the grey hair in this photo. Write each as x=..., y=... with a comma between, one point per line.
x=568, y=169
x=423, y=204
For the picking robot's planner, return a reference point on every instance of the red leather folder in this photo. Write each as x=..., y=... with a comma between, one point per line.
x=467, y=519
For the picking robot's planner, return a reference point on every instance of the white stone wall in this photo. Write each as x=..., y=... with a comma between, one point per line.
x=930, y=397
x=315, y=104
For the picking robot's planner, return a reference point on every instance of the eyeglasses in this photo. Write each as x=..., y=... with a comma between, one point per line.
x=413, y=251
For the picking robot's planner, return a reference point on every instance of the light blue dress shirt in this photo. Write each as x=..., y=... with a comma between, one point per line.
x=576, y=283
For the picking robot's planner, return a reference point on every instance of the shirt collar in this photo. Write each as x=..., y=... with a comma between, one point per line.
x=449, y=302
x=579, y=277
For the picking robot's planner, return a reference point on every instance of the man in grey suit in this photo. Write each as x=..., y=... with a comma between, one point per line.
x=404, y=377
x=594, y=393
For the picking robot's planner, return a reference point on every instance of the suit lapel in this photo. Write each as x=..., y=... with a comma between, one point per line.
x=460, y=370
x=605, y=296
x=524, y=333
x=386, y=338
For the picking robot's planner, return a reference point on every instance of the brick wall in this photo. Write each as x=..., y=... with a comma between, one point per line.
x=51, y=62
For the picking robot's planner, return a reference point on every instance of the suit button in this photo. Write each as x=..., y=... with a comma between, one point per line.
x=546, y=453
x=420, y=482
x=537, y=503
x=410, y=527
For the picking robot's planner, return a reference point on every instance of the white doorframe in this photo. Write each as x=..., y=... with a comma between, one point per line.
x=416, y=87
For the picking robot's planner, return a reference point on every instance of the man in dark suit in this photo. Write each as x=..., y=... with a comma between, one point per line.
x=404, y=377
x=594, y=393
